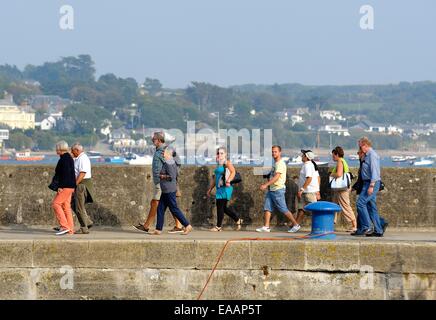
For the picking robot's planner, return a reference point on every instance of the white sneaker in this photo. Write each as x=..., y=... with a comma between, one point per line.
x=62, y=232
x=294, y=228
x=263, y=229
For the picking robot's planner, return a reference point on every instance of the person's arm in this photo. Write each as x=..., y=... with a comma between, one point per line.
x=375, y=169
x=270, y=182
x=309, y=174
x=80, y=177
x=212, y=186
x=232, y=170
x=171, y=171
x=339, y=170
x=375, y=172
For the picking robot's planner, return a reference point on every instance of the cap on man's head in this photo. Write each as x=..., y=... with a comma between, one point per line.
x=309, y=154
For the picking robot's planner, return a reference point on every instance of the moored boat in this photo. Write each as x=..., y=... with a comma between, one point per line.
x=27, y=156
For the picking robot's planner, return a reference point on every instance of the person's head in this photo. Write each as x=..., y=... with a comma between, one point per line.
x=365, y=144
x=76, y=149
x=337, y=153
x=158, y=139
x=61, y=147
x=307, y=155
x=168, y=153
x=221, y=154
x=276, y=152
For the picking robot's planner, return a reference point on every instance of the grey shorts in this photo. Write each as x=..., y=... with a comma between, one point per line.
x=157, y=192
x=306, y=198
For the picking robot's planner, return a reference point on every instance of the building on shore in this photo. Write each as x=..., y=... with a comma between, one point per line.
x=12, y=116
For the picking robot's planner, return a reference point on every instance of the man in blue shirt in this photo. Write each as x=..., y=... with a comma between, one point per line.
x=366, y=203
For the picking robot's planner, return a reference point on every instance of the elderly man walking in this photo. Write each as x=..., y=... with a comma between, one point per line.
x=366, y=203
x=84, y=192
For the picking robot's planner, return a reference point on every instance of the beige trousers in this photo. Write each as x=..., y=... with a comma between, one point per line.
x=342, y=198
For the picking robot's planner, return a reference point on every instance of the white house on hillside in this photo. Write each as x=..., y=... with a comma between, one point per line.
x=331, y=115
x=335, y=128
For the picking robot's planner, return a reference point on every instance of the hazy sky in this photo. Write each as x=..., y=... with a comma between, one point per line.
x=228, y=42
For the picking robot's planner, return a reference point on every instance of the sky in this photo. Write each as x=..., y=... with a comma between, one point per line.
x=230, y=42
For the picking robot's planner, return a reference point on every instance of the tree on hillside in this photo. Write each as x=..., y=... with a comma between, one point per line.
x=153, y=86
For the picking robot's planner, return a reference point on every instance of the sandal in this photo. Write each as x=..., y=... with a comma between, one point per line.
x=216, y=229
x=239, y=224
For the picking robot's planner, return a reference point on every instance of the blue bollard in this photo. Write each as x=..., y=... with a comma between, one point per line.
x=323, y=217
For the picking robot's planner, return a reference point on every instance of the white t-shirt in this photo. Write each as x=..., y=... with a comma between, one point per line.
x=82, y=164
x=308, y=170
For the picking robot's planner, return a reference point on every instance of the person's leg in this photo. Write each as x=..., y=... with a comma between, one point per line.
x=372, y=210
x=160, y=211
x=362, y=209
x=178, y=224
x=80, y=198
x=157, y=192
x=67, y=210
x=267, y=208
x=220, y=204
x=267, y=218
x=343, y=199
x=230, y=212
x=335, y=200
x=175, y=210
x=151, y=213
x=57, y=205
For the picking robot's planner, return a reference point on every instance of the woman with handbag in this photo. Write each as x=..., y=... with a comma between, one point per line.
x=224, y=173
x=341, y=196
x=66, y=178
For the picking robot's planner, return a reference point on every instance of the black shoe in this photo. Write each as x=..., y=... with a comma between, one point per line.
x=140, y=227
x=57, y=228
x=375, y=234
x=385, y=226
x=90, y=225
x=363, y=233
x=357, y=234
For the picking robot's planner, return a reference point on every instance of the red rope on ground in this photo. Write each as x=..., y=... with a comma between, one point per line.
x=252, y=239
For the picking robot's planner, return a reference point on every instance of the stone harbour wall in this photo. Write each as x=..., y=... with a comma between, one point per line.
x=165, y=269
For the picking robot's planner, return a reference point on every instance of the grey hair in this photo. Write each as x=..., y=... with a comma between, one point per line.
x=160, y=136
x=62, y=146
x=77, y=146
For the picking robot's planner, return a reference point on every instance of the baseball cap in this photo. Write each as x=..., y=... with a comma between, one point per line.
x=308, y=153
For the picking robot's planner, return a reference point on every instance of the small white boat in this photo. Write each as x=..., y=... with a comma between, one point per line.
x=399, y=159
x=353, y=157
x=410, y=158
x=295, y=161
x=423, y=163
x=139, y=161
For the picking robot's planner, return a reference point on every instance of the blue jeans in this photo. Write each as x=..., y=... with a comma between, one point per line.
x=168, y=200
x=276, y=199
x=367, y=209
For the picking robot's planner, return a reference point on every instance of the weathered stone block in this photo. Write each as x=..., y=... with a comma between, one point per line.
x=236, y=255
x=331, y=255
x=283, y=255
x=16, y=253
x=169, y=254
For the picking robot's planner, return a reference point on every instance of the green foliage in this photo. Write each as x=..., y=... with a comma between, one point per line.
x=18, y=140
x=88, y=118
x=153, y=86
